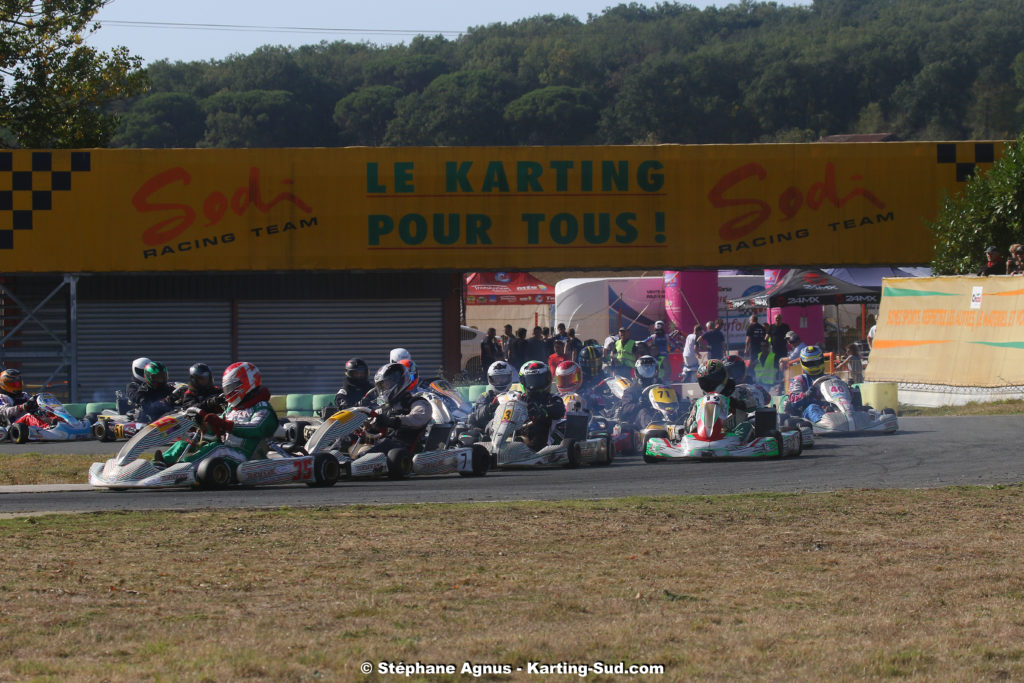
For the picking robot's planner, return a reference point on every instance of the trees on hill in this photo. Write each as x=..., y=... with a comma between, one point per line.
x=748, y=72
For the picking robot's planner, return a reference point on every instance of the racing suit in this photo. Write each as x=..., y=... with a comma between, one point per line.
x=634, y=407
x=18, y=408
x=483, y=409
x=739, y=406
x=401, y=423
x=351, y=394
x=805, y=399
x=153, y=402
x=543, y=410
x=208, y=398
x=243, y=432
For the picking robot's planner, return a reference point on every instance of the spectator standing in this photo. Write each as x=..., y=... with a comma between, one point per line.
x=622, y=353
x=536, y=348
x=777, y=333
x=557, y=356
x=1015, y=261
x=549, y=341
x=561, y=334
x=994, y=263
x=853, y=363
x=796, y=345
x=691, y=360
x=507, y=336
x=490, y=350
x=573, y=345
x=756, y=335
x=871, y=337
x=517, y=351
x=715, y=340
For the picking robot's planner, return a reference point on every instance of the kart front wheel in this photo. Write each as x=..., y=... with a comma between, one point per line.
x=779, y=442
x=481, y=462
x=213, y=474
x=18, y=432
x=326, y=470
x=799, y=444
x=399, y=463
x=647, y=437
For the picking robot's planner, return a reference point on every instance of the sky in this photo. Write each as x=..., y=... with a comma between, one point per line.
x=190, y=30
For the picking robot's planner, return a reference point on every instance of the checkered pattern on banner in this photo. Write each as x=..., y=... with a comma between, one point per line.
x=965, y=157
x=26, y=189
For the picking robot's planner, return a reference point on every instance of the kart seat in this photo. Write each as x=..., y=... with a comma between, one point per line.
x=437, y=436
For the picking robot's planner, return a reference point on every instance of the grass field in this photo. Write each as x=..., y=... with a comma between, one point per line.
x=902, y=585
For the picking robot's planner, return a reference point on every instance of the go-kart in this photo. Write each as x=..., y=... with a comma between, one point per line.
x=128, y=470
x=343, y=436
x=577, y=438
x=120, y=424
x=845, y=415
x=63, y=426
x=665, y=408
x=757, y=396
x=718, y=436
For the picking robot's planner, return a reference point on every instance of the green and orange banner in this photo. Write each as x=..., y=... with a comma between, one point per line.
x=959, y=331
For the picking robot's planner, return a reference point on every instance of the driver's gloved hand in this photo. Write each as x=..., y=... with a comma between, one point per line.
x=30, y=405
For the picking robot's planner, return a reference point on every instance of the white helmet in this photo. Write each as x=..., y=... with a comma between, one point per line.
x=138, y=366
x=399, y=354
x=500, y=375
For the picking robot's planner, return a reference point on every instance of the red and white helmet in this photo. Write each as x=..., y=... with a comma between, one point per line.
x=239, y=379
x=568, y=377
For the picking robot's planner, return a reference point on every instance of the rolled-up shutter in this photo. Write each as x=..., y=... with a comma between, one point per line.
x=302, y=346
x=111, y=334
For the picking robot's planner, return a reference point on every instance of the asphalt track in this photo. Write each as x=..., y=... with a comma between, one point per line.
x=927, y=452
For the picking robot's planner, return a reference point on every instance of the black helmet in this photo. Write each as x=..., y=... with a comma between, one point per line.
x=590, y=360
x=392, y=380
x=199, y=376
x=357, y=370
x=712, y=375
x=155, y=373
x=535, y=376
x=736, y=368
x=792, y=337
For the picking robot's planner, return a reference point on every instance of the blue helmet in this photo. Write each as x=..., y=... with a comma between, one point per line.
x=813, y=360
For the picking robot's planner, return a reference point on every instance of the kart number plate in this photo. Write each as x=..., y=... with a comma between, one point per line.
x=464, y=461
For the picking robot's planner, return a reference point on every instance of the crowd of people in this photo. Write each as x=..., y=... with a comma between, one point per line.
x=768, y=351
x=995, y=264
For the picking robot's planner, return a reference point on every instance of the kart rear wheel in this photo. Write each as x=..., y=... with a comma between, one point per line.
x=213, y=474
x=572, y=454
x=326, y=470
x=295, y=432
x=18, y=432
x=609, y=444
x=399, y=463
x=99, y=431
x=481, y=462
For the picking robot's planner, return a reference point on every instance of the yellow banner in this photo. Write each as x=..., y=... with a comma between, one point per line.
x=959, y=331
x=479, y=208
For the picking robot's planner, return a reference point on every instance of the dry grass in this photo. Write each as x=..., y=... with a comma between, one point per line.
x=1007, y=407
x=919, y=585
x=35, y=468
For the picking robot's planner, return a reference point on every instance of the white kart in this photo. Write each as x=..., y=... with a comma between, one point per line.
x=573, y=445
x=128, y=470
x=341, y=435
x=843, y=416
